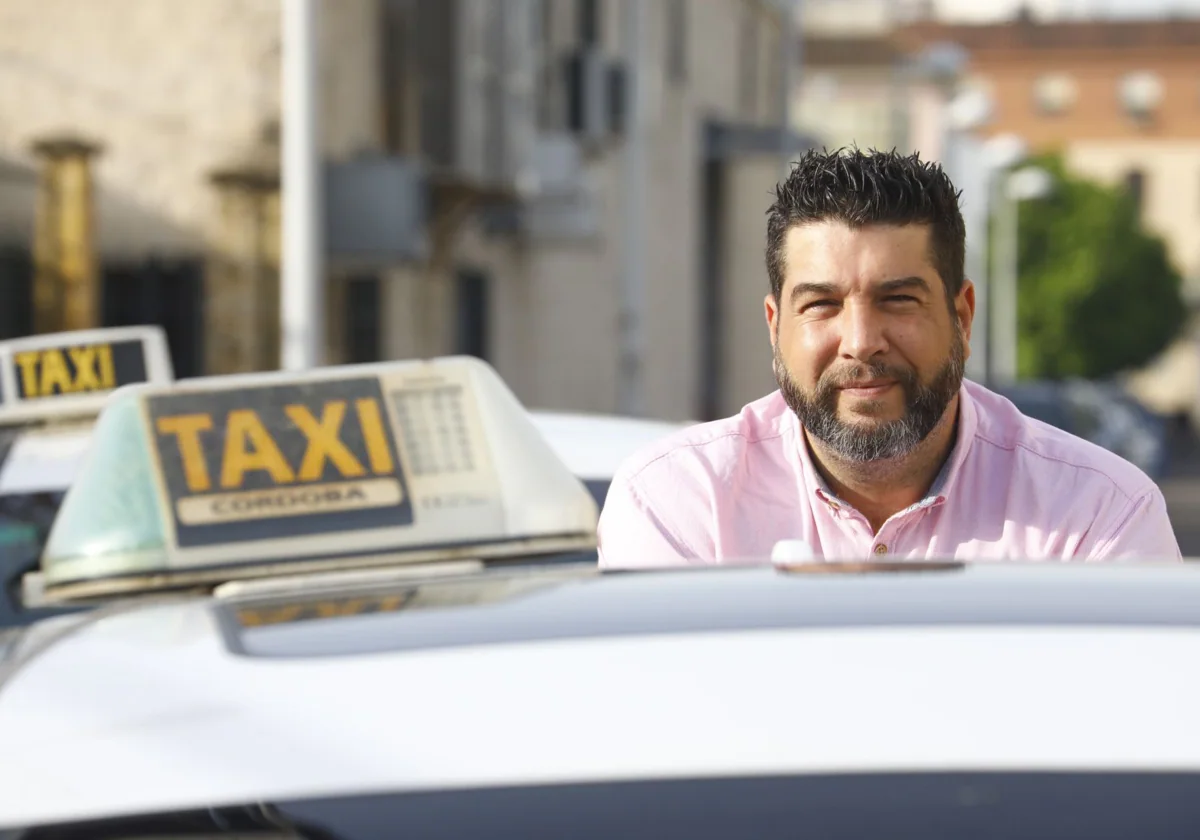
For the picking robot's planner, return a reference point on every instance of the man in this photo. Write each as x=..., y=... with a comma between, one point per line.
x=874, y=446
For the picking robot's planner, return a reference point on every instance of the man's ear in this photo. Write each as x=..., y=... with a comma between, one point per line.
x=964, y=307
x=772, y=311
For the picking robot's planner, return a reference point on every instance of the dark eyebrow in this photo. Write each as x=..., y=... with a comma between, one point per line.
x=903, y=283
x=802, y=289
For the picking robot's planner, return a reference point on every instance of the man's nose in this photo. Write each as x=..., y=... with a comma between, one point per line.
x=862, y=332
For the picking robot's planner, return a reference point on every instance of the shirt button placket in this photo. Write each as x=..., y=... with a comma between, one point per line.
x=881, y=548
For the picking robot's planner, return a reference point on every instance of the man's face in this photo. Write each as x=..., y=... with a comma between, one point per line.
x=869, y=352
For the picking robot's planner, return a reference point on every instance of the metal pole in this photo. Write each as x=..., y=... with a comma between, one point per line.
x=1004, y=288
x=791, y=76
x=974, y=179
x=629, y=395
x=301, y=283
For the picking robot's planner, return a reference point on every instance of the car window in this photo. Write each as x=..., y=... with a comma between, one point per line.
x=598, y=487
x=25, y=519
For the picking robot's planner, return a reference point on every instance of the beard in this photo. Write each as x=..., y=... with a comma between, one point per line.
x=862, y=442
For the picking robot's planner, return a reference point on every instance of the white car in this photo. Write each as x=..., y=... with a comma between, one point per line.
x=929, y=701
x=358, y=603
x=52, y=387
x=593, y=446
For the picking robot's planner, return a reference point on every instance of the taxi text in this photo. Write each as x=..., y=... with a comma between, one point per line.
x=66, y=370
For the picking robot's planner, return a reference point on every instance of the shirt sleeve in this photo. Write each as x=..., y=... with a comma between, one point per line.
x=632, y=535
x=1145, y=533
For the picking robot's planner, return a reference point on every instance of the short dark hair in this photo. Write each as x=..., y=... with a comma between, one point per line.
x=869, y=188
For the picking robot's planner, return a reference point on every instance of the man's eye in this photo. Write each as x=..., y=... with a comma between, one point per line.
x=901, y=299
x=818, y=305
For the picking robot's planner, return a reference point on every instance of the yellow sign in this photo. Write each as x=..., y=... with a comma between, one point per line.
x=83, y=369
x=320, y=455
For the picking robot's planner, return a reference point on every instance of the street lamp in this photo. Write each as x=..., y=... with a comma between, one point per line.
x=1025, y=184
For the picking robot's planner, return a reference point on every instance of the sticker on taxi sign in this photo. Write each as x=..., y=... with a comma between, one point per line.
x=281, y=460
x=328, y=608
x=48, y=372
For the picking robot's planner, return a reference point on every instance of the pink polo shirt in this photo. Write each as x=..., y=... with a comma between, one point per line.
x=1013, y=488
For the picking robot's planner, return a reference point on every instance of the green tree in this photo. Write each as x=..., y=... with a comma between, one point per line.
x=1097, y=292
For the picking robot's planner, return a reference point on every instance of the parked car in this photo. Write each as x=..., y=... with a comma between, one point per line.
x=1100, y=412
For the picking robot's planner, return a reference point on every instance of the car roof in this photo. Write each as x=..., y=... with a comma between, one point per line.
x=560, y=675
x=42, y=459
x=594, y=445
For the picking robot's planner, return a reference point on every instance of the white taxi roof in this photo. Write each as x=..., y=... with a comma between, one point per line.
x=557, y=676
x=44, y=460
x=53, y=386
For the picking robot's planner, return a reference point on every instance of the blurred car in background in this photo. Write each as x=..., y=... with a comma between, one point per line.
x=1100, y=412
x=593, y=446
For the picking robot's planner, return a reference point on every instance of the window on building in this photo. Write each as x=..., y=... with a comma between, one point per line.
x=16, y=292
x=1140, y=94
x=589, y=22
x=1135, y=185
x=549, y=77
x=748, y=61
x=1054, y=94
x=165, y=291
x=677, y=37
x=472, y=336
x=363, y=314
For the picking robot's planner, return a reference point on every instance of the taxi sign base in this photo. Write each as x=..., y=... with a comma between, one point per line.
x=207, y=579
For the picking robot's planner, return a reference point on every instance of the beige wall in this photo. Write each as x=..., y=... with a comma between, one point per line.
x=176, y=90
x=173, y=91
x=747, y=372
x=1171, y=198
x=555, y=305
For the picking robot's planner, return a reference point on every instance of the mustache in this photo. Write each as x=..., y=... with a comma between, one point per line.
x=860, y=371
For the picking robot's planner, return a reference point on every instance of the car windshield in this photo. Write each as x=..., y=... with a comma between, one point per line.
x=25, y=520
x=854, y=807
x=598, y=487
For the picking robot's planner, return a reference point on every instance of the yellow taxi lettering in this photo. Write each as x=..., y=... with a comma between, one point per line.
x=87, y=376
x=371, y=421
x=108, y=371
x=248, y=448
x=323, y=441
x=187, y=428
x=28, y=363
x=55, y=376
x=45, y=373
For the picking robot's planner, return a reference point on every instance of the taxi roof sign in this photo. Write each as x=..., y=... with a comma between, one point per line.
x=57, y=375
x=224, y=478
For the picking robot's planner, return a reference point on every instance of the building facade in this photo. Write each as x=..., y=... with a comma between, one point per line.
x=474, y=183
x=1120, y=99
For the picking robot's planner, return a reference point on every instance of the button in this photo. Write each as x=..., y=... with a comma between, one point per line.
x=881, y=549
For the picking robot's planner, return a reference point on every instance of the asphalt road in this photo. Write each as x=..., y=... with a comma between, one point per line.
x=1181, y=487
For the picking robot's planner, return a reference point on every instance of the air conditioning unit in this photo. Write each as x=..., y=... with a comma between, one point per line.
x=559, y=204
x=375, y=210
x=555, y=168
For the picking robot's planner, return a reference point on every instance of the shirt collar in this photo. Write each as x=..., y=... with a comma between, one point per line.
x=947, y=477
